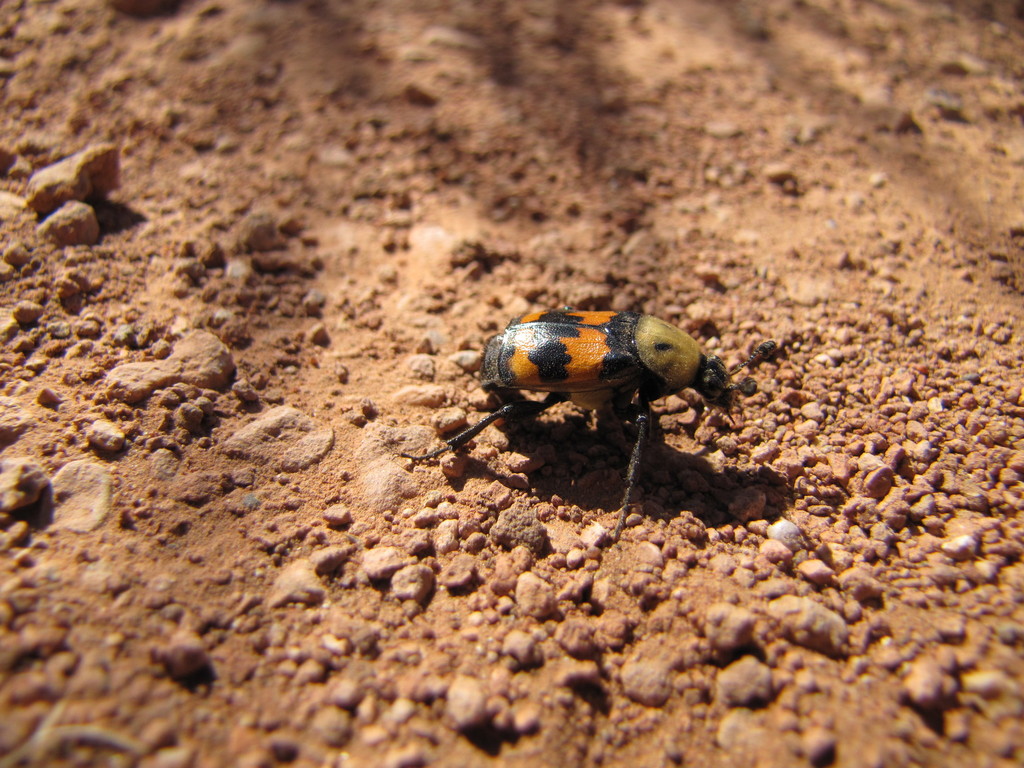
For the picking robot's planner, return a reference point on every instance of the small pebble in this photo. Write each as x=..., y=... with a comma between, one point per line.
x=961, y=547
x=647, y=681
x=27, y=312
x=183, y=654
x=744, y=683
x=338, y=516
x=73, y=223
x=816, y=572
x=466, y=703
x=818, y=745
x=788, y=533
x=728, y=627
x=104, y=435
x=413, y=582
x=383, y=562
x=927, y=686
x=534, y=596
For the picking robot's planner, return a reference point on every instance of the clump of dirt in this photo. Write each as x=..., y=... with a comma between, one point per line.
x=250, y=254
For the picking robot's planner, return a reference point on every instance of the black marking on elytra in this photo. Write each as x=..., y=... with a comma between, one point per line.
x=551, y=358
x=559, y=317
x=621, y=340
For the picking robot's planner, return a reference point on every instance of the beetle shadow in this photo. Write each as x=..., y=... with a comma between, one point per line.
x=588, y=470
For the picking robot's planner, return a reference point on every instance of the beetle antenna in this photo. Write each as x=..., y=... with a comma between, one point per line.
x=748, y=386
x=763, y=351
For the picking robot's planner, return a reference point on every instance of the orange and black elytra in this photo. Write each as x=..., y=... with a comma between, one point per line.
x=622, y=359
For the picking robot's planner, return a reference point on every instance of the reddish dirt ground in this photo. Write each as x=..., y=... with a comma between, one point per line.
x=251, y=252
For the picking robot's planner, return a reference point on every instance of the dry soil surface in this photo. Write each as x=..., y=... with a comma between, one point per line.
x=251, y=253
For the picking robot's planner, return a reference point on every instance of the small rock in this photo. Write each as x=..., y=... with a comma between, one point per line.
x=534, y=596
x=413, y=582
x=199, y=358
x=329, y=560
x=333, y=726
x=104, y=435
x=961, y=547
x=776, y=552
x=282, y=437
x=722, y=129
x=73, y=223
x=49, y=397
x=647, y=681
x=82, y=493
x=338, y=516
x=183, y=654
x=519, y=526
x=522, y=647
x=346, y=692
x=816, y=572
x=788, y=533
x=744, y=683
x=526, y=718
x=571, y=673
x=728, y=627
x=426, y=395
x=422, y=365
x=460, y=573
x=386, y=485
x=446, y=537
x=595, y=535
x=950, y=105
x=14, y=420
x=860, y=584
x=927, y=686
x=878, y=482
x=779, y=173
x=383, y=562
x=818, y=745
x=93, y=172
x=576, y=636
x=296, y=583
x=468, y=360
x=22, y=481
x=987, y=683
x=258, y=232
x=466, y=703
x=12, y=207
x=27, y=312
x=809, y=624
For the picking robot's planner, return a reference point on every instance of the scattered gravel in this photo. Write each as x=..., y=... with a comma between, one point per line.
x=211, y=548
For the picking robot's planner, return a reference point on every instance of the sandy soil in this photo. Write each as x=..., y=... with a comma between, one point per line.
x=251, y=253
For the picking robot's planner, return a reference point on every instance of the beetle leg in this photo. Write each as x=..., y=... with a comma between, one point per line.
x=642, y=417
x=513, y=410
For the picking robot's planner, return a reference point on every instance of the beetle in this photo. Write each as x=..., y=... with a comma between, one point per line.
x=596, y=358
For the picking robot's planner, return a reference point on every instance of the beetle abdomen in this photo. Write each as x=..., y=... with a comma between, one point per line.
x=564, y=351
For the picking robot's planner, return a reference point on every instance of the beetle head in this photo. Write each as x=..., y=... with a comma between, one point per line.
x=714, y=380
